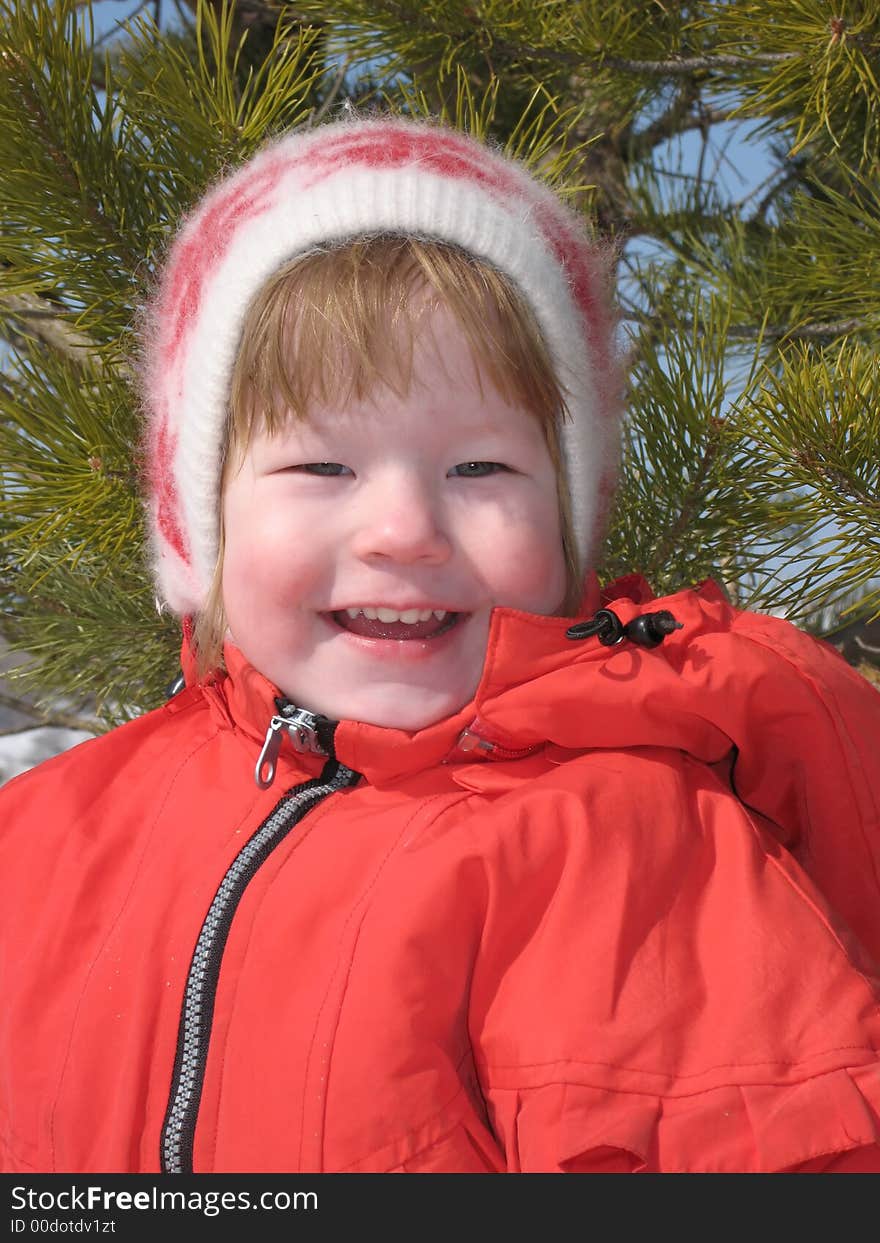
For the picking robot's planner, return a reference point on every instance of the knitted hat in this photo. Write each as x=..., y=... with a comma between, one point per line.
x=331, y=183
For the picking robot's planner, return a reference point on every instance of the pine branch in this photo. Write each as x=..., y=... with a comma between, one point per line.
x=509, y=51
x=678, y=120
x=44, y=322
x=70, y=175
x=41, y=718
x=757, y=332
x=777, y=182
x=678, y=65
x=834, y=328
x=112, y=31
x=672, y=67
x=842, y=483
x=11, y=730
x=692, y=503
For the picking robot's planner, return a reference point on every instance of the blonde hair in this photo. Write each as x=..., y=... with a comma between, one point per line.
x=335, y=323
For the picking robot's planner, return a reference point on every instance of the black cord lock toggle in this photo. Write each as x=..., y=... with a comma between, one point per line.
x=647, y=630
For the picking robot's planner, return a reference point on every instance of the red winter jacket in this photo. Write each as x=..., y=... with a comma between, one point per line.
x=620, y=913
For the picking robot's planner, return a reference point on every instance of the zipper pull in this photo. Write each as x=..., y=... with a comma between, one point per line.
x=469, y=740
x=302, y=726
x=302, y=729
x=269, y=753
x=474, y=743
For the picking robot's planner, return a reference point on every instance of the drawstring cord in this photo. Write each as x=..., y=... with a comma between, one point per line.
x=647, y=630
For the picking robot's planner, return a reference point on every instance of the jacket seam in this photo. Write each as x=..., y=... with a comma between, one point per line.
x=552, y=1080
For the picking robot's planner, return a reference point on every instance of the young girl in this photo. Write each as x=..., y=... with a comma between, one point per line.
x=419, y=872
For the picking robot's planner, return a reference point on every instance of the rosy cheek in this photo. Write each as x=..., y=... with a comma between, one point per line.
x=253, y=532
x=532, y=573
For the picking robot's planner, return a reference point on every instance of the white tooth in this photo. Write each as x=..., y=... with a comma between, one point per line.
x=411, y=616
x=439, y=614
x=372, y=614
x=353, y=612
x=426, y=615
x=385, y=615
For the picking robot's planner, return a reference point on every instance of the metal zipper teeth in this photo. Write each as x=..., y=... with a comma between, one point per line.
x=178, y=1131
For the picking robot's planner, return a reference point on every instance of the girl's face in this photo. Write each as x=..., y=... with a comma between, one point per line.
x=367, y=547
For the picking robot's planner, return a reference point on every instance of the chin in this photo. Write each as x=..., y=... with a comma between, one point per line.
x=407, y=710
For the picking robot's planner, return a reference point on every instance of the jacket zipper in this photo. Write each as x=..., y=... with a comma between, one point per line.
x=194, y=1032
x=306, y=731
x=475, y=739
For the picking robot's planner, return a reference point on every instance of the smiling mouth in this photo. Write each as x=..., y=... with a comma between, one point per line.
x=375, y=628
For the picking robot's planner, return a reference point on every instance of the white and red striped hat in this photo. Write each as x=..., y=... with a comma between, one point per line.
x=335, y=182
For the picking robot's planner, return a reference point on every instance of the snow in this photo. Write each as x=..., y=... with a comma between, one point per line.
x=21, y=751
x=23, y=743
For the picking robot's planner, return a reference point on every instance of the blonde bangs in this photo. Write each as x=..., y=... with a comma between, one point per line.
x=334, y=324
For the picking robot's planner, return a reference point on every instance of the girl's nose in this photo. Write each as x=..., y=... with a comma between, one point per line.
x=400, y=521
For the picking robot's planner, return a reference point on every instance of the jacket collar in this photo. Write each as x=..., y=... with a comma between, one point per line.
x=537, y=686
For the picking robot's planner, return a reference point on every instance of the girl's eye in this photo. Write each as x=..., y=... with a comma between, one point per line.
x=477, y=470
x=321, y=468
